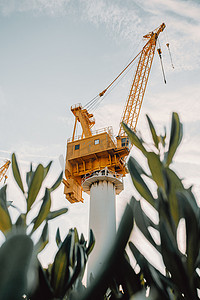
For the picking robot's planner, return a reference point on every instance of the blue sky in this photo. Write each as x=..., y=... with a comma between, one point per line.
x=57, y=53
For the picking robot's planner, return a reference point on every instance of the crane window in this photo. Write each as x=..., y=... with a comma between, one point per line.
x=125, y=142
x=96, y=142
x=77, y=147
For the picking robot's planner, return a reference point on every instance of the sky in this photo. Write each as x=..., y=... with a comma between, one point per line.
x=58, y=53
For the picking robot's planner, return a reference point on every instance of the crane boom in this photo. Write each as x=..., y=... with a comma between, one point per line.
x=138, y=87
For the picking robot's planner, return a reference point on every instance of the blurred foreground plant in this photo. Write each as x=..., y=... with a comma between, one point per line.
x=175, y=205
x=20, y=271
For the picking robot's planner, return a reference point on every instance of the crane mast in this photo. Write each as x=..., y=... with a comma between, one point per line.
x=94, y=151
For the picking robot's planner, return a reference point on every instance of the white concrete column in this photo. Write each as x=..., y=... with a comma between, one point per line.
x=102, y=187
x=102, y=222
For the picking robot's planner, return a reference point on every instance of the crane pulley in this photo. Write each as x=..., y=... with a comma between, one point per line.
x=95, y=150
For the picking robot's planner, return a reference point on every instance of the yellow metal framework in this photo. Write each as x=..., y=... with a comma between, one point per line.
x=94, y=151
x=3, y=170
x=137, y=91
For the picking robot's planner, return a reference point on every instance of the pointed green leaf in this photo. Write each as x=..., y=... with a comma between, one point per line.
x=153, y=132
x=56, y=213
x=60, y=272
x=35, y=185
x=82, y=240
x=173, y=260
x=44, y=239
x=139, y=183
x=5, y=220
x=152, y=276
x=175, y=137
x=192, y=232
x=134, y=138
x=156, y=168
x=21, y=222
x=143, y=222
x=91, y=243
x=46, y=169
x=174, y=184
x=29, y=175
x=79, y=269
x=16, y=172
x=58, y=238
x=44, y=210
x=57, y=183
x=139, y=168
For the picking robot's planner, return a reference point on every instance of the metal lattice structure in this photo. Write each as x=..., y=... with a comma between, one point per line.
x=138, y=87
x=3, y=170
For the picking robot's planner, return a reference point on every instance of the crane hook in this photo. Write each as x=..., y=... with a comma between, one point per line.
x=159, y=53
x=170, y=55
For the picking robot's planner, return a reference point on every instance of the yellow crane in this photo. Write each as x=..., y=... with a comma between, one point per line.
x=96, y=150
x=3, y=170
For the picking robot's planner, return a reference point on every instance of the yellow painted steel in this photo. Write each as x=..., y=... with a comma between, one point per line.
x=137, y=91
x=93, y=151
x=3, y=170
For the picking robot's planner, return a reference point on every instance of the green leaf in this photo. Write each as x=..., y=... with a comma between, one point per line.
x=143, y=222
x=79, y=267
x=44, y=210
x=44, y=239
x=60, y=272
x=35, y=186
x=153, y=132
x=192, y=232
x=42, y=290
x=174, y=184
x=173, y=260
x=91, y=243
x=15, y=258
x=152, y=276
x=16, y=172
x=57, y=183
x=128, y=279
x=76, y=237
x=46, y=169
x=21, y=222
x=5, y=220
x=175, y=137
x=139, y=167
x=29, y=176
x=134, y=138
x=56, y=213
x=139, y=183
x=100, y=284
x=58, y=238
x=156, y=168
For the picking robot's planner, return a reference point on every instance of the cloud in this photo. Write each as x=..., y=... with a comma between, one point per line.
x=129, y=20
x=48, y=7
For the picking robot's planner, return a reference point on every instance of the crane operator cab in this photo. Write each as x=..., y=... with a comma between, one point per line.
x=123, y=141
